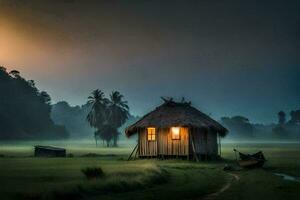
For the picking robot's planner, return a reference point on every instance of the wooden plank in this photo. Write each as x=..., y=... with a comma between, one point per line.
x=220, y=145
x=194, y=150
x=187, y=146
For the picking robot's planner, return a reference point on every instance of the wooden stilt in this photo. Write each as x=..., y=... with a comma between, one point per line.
x=220, y=146
x=188, y=139
x=132, y=152
x=136, y=152
x=194, y=149
x=206, y=144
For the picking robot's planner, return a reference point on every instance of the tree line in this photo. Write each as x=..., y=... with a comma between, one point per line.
x=27, y=113
x=240, y=127
x=73, y=118
x=24, y=110
x=287, y=128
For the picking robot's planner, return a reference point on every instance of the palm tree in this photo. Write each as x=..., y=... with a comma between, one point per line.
x=118, y=113
x=97, y=116
x=106, y=133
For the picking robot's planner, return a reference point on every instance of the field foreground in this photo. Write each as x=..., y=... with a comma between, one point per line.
x=25, y=177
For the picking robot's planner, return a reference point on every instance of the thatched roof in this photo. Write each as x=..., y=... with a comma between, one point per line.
x=172, y=113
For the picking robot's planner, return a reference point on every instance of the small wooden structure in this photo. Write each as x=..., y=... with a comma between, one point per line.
x=177, y=130
x=49, y=151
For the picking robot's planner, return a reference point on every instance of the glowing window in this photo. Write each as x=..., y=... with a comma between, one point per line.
x=175, y=131
x=151, y=134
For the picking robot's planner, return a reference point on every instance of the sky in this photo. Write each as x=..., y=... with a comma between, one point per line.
x=228, y=58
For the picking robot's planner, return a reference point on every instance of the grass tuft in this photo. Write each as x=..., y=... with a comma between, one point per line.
x=93, y=172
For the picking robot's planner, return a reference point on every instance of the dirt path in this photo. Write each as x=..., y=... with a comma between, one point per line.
x=212, y=196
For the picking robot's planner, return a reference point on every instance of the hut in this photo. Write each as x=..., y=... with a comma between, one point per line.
x=49, y=151
x=177, y=130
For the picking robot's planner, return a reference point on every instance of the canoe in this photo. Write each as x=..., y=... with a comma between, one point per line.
x=259, y=155
x=251, y=160
x=251, y=163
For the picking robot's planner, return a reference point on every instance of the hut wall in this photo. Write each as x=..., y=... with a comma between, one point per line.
x=168, y=146
x=164, y=145
x=213, y=143
x=146, y=148
x=205, y=142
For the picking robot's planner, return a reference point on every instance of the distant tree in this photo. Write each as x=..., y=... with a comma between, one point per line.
x=45, y=97
x=295, y=116
x=106, y=132
x=97, y=116
x=280, y=131
x=15, y=73
x=73, y=118
x=118, y=112
x=239, y=126
x=31, y=83
x=293, y=125
x=281, y=118
x=2, y=69
x=107, y=115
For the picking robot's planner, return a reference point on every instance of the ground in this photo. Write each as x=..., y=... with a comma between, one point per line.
x=25, y=177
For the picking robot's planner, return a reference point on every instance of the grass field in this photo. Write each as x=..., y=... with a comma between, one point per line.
x=25, y=177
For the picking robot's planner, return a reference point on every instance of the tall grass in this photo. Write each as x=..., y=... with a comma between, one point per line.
x=113, y=182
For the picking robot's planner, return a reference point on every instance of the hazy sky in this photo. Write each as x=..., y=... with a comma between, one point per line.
x=238, y=57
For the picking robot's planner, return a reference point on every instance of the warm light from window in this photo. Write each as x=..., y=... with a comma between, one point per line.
x=151, y=134
x=175, y=133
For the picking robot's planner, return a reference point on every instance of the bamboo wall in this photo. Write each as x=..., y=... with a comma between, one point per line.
x=146, y=148
x=164, y=144
x=205, y=142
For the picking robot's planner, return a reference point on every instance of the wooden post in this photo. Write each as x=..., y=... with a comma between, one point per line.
x=188, y=141
x=206, y=144
x=194, y=149
x=235, y=155
x=132, y=152
x=220, y=145
x=156, y=140
x=136, y=152
x=139, y=145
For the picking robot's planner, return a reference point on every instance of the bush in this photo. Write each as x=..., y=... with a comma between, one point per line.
x=93, y=172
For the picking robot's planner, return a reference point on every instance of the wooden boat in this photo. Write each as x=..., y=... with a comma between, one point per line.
x=251, y=160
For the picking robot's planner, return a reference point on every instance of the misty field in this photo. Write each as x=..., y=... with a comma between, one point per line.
x=25, y=177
